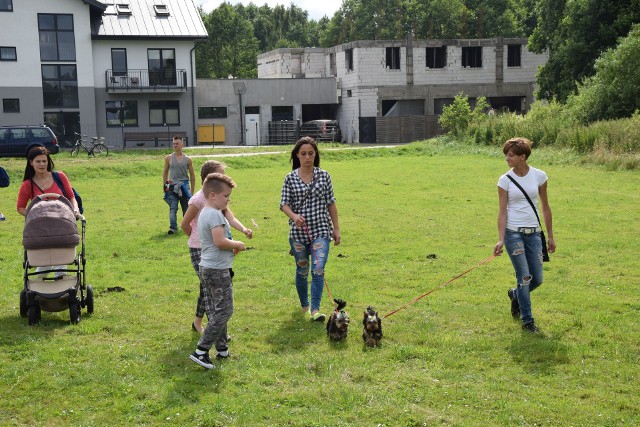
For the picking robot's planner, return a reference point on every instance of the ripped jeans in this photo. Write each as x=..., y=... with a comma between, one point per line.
x=525, y=251
x=318, y=250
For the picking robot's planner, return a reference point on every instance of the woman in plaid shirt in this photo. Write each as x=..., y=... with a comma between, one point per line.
x=308, y=200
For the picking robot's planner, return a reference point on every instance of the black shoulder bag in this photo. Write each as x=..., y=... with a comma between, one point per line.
x=545, y=252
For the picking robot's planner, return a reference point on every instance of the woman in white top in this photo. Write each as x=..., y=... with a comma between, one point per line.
x=519, y=228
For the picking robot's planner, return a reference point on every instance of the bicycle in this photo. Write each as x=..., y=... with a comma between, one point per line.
x=97, y=148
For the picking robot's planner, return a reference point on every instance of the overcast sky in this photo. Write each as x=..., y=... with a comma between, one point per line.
x=316, y=8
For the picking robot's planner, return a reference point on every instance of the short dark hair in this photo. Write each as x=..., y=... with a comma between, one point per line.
x=295, y=162
x=178, y=137
x=518, y=146
x=216, y=183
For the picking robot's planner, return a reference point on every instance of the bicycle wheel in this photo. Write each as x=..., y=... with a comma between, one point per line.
x=100, y=150
x=75, y=150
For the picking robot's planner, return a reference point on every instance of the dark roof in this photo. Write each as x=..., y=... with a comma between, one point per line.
x=95, y=3
x=142, y=20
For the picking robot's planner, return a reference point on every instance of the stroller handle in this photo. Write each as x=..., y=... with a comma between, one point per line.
x=56, y=196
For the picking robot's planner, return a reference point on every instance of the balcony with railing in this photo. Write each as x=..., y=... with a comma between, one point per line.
x=146, y=81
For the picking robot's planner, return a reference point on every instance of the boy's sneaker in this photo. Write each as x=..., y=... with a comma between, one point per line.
x=531, y=327
x=2, y=217
x=318, y=317
x=202, y=360
x=515, y=306
x=171, y=231
x=222, y=354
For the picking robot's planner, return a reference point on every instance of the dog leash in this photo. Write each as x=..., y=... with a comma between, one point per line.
x=441, y=286
x=326, y=285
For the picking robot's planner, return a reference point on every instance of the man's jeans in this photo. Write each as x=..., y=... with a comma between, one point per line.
x=319, y=251
x=525, y=251
x=172, y=200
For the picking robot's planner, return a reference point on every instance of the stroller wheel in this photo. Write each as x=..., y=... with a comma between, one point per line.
x=74, y=310
x=89, y=299
x=33, y=314
x=23, y=303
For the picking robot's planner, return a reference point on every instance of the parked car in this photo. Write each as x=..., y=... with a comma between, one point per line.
x=16, y=141
x=322, y=130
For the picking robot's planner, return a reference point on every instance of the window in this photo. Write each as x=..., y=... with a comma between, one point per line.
x=440, y=103
x=472, y=57
x=6, y=5
x=349, y=93
x=348, y=59
x=123, y=9
x=164, y=113
x=8, y=54
x=161, y=9
x=514, y=55
x=60, y=86
x=57, y=41
x=11, y=105
x=436, y=57
x=212, y=112
x=122, y=113
x=119, y=62
x=162, y=67
x=393, y=58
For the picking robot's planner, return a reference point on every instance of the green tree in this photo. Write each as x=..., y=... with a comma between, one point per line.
x=614, y=90
x=575, y=33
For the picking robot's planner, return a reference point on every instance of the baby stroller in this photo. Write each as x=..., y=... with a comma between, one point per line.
x=54, y=275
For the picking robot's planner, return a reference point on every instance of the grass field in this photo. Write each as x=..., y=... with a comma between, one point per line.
x=412, y=218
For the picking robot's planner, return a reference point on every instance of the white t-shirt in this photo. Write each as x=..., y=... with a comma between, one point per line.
x=519, y=212
x=212, y=256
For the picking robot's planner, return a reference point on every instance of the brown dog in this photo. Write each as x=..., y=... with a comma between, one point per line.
x=338, y=324
x=372, y=323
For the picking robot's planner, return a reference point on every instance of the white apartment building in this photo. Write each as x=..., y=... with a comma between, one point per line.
x=112, y=68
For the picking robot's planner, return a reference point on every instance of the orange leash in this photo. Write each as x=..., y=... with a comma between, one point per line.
x=441, y=286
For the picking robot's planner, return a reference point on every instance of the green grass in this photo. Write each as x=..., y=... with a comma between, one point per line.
x=453, y=358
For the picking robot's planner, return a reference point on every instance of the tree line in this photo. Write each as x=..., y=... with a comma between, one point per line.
x=575, y=33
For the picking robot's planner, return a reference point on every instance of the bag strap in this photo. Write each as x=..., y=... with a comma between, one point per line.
x=56, y=178
x=306, y=195
x=527, y=196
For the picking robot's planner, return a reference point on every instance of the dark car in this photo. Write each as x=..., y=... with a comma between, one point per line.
x=16, y=141
x=322, y=130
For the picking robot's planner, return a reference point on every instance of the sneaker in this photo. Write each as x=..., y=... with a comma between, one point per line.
x=171, y=231
x=515, y=306
x=318, y=317
x=530, y=327
x=222, y=355
x=2, y=217
x=202, y=360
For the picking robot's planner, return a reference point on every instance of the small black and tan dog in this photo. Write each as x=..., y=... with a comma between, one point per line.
x=372, y=333
x=338, y=324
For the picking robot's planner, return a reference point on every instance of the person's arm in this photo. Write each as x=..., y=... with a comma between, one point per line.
x=165, y=172
x=298, y=220
x=333, y=214
x=502, y=220
x=223, y=242
x=189, y=215
x=24, y=194
x=69, y=190
x=235, y=223
x=548, y=217
x=192, y=175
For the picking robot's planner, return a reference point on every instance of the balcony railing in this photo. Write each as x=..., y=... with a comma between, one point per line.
x=146, y=81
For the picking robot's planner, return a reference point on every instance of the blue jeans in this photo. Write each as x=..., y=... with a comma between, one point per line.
x=525, y=251
x=172, y=200
x=318, y=249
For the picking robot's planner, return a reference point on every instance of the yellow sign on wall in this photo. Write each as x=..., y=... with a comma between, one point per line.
x=210, y=134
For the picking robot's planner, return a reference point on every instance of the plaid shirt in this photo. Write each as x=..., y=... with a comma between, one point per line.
x=311, y=201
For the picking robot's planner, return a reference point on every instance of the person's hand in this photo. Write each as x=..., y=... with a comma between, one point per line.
x=551, y=245
x=239, y=248
x=336, y=237
x=248, y=232
x=299, y=221
x=497, y=249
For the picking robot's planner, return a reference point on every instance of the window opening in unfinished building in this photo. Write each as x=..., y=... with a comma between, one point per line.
x=436, y=57
x=393, y=58
x=472, y=57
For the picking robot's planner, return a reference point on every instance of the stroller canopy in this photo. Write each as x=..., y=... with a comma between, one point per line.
x=50, y=224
